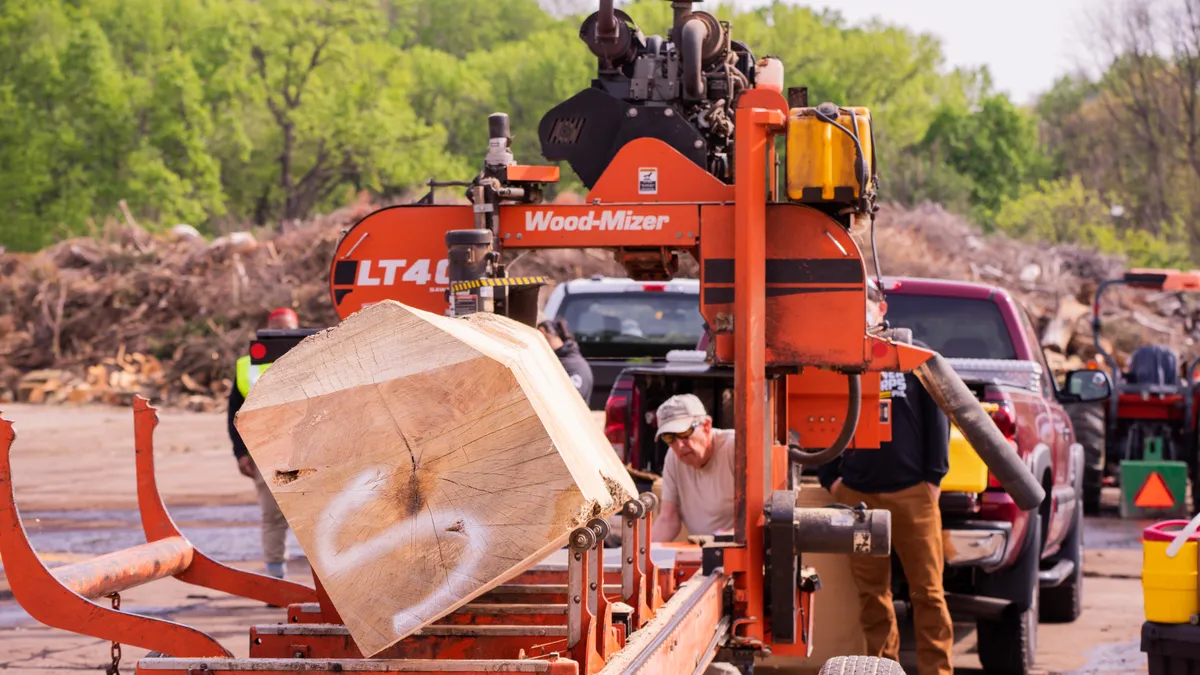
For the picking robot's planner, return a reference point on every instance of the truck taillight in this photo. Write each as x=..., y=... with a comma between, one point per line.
x=615, y=412
x=1005, y=417
x=1004, y=414
x=633, y=456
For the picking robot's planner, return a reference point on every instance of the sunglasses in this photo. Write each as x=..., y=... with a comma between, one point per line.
x=669, y=437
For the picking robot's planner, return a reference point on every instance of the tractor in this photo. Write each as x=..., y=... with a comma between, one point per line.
x=1144, y=438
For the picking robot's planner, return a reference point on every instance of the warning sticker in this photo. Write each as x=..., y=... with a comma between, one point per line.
x=1154, y=494
x=648, y=181
x=862, y=542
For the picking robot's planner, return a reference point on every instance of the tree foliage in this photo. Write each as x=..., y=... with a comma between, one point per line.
x=223, y=112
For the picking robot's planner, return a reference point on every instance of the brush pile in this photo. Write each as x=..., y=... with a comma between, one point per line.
x=1056, y=284
x=126, y=312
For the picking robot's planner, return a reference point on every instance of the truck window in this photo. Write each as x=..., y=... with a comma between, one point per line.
x=957, y=328
x=652, y=318
x=1049, y=386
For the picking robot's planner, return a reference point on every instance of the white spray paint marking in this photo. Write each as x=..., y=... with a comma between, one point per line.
x=358, y=494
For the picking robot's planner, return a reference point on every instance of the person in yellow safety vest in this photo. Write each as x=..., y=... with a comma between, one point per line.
x=274, y=525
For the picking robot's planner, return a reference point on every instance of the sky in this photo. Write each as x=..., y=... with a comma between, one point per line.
x=1026, y=44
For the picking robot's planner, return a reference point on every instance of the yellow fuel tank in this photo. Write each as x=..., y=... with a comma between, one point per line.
x=967, y=471
x=822, y=159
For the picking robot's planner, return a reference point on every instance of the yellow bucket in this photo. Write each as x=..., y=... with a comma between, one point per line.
x=1169, y=588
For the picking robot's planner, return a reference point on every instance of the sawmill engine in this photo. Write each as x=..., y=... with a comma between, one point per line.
x=680, y=90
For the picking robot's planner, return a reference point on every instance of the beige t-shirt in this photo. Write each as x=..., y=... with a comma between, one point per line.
x=705, y=496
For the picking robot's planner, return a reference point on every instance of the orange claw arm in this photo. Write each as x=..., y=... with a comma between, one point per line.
x=203, y=571
x=50, y=602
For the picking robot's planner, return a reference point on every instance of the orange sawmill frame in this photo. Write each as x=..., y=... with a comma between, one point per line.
x=688, y=200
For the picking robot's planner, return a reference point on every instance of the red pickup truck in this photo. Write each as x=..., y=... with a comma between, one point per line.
x=1006, y=569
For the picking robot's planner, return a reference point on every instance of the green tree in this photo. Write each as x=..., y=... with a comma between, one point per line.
x=1064, y=211
x=995, y=145
x=336, y=116
x=460, y=27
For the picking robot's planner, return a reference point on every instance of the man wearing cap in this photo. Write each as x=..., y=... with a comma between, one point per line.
x=697, y=480
x=902, y=476
x=274, y=525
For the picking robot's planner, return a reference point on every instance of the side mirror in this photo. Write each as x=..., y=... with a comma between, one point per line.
x=1086, y=386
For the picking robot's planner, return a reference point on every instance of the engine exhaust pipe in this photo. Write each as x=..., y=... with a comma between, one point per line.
x=693, y=35
x=964, y=410
x=606, y=26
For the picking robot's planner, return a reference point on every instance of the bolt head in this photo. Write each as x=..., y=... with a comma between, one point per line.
x=699, y=143
x=632, y=112
x=669, y=112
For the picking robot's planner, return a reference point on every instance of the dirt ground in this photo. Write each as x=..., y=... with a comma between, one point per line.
x=74, y=482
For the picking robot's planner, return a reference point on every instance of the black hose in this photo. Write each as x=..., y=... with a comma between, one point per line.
x=849, y=426
x=691, y=47
x=965, y=411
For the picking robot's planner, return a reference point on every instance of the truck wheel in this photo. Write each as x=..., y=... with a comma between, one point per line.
x=1064, y=603
x=1088, y=421
x=860, y=665
x=1008, y=645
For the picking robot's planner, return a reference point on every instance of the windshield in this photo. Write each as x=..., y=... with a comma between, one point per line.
x=956, y=328
x=650, y=318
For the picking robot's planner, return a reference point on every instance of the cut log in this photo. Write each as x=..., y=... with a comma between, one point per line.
x=422, y=460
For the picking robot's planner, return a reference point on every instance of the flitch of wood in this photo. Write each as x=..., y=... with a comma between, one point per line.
x=191, y=305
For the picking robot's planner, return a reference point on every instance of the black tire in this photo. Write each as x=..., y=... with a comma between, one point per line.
x=1008, y=645
x=860, y=665
x=1064, y=603
x=1090, y=430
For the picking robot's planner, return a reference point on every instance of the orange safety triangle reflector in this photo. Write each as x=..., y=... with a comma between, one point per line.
x=1154, y=494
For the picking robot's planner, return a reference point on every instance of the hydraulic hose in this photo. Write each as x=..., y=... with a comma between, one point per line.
x=961, y=406
x=849, y=426
x=691, y=48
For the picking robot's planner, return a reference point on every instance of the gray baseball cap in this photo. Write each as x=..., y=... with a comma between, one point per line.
x=678, y=413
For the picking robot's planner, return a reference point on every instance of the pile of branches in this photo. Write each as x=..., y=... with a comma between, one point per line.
x=127, y=312
x=1056, y=284
x=127, y=298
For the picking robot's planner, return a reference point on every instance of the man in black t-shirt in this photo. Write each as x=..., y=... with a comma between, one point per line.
x=903, y=476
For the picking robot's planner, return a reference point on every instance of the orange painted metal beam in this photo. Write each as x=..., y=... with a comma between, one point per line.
x=158, y=525
x=755, y=129
x=50, y=602
x=549, y=666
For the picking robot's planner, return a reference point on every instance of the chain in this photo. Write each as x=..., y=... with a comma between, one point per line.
x=115, y=667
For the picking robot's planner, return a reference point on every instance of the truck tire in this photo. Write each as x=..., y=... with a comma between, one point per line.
x=1008, y=645
x=1090, y=432
x=860, y=665
x=1064, y=603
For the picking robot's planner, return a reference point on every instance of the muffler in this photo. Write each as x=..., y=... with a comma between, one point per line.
x=964, y=410
x=842, y=530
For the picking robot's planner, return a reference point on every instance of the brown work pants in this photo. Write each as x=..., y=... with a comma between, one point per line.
x=917, y=540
